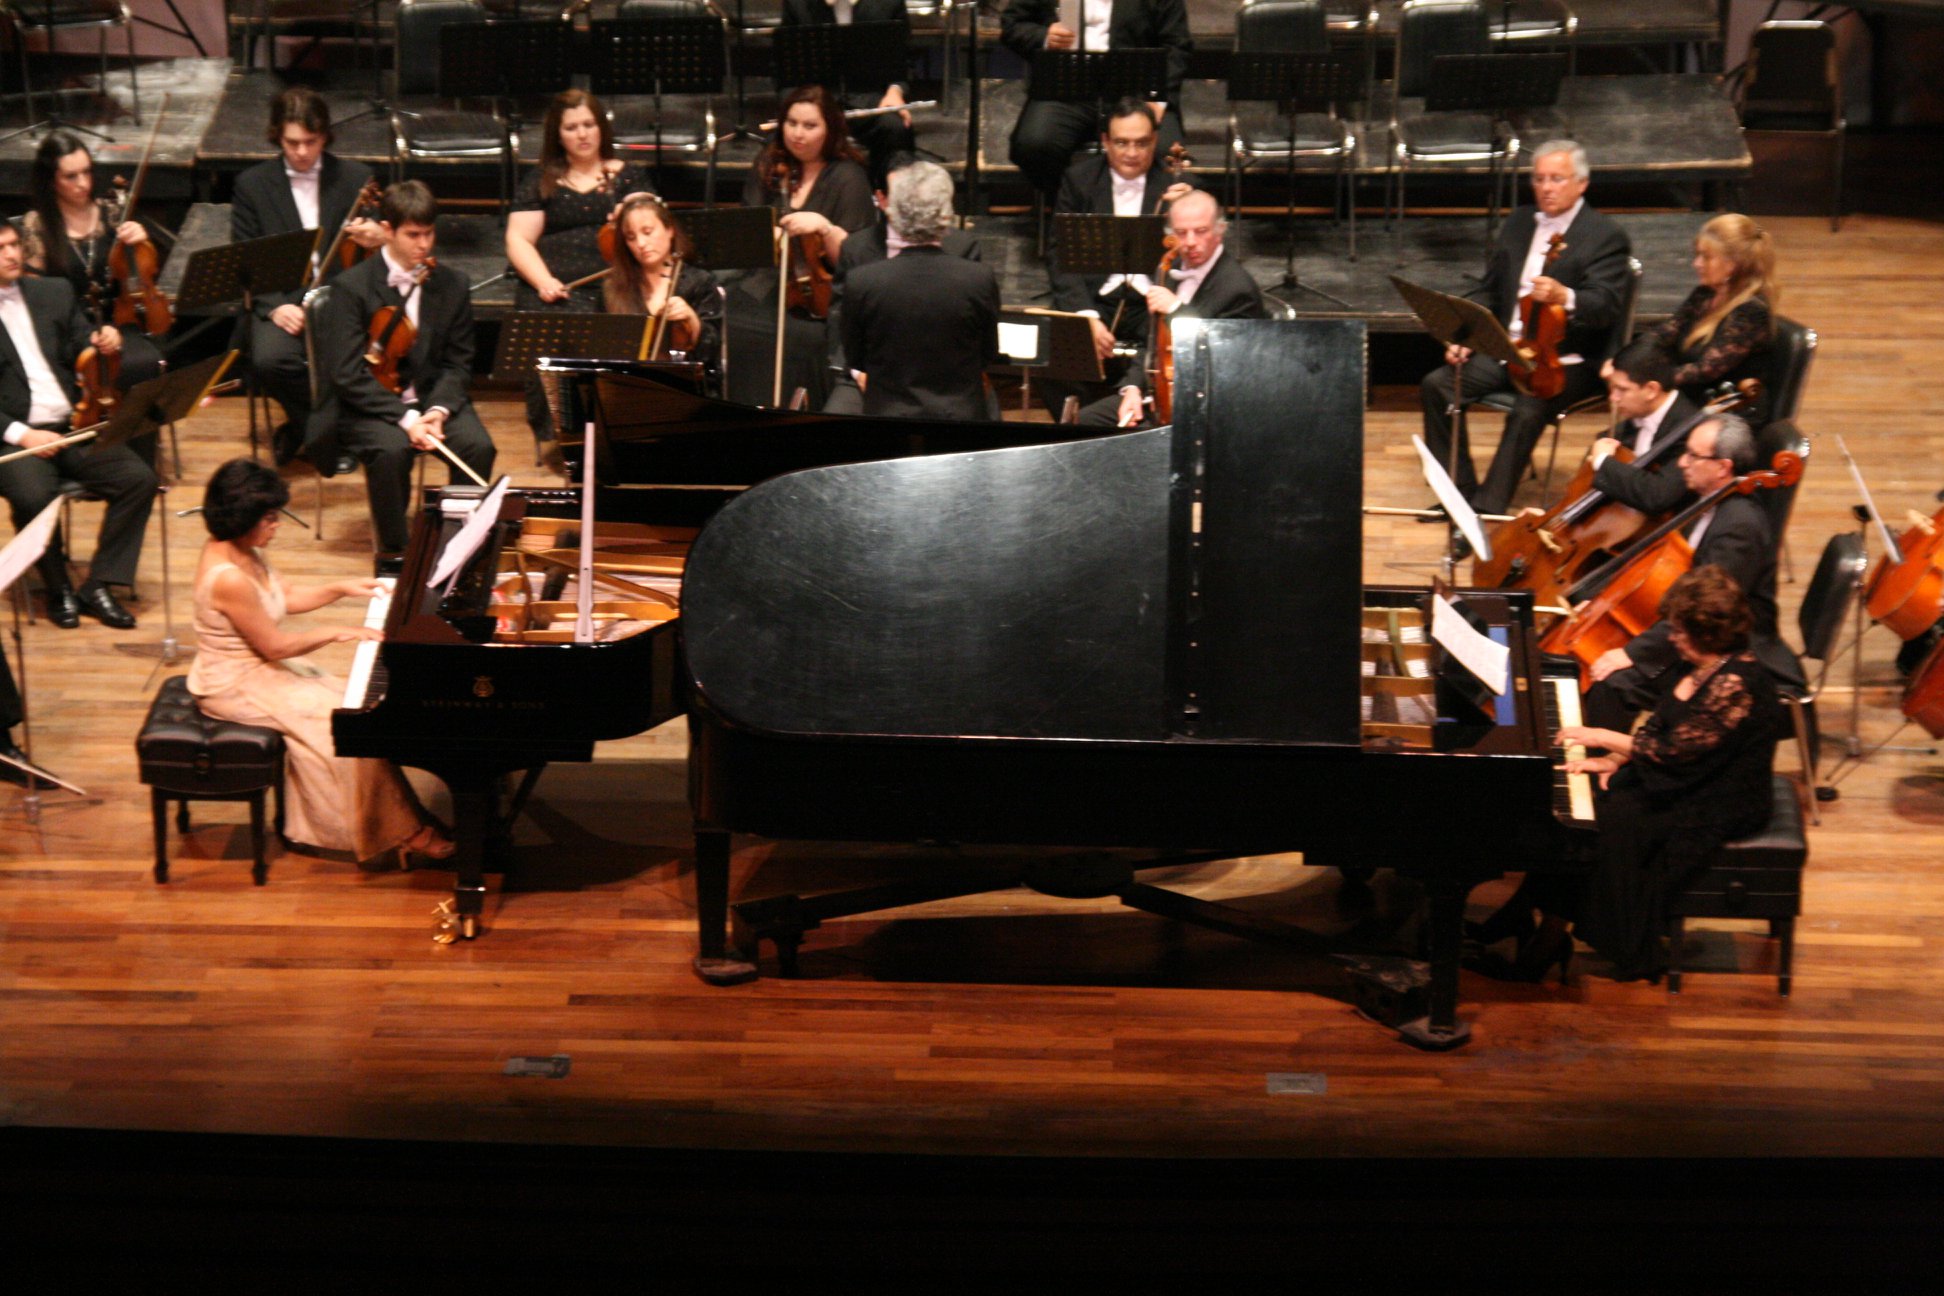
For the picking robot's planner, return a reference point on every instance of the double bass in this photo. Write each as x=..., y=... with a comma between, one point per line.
x=1908, y=595
x=1631, y=585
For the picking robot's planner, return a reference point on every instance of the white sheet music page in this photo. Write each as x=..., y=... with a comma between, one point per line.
x=466, y=541
x=1019, y=342
x=1456, y=506
x=25, y=549
x=1478, y=653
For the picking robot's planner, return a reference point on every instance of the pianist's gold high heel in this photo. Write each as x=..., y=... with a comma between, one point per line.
x=427, y=842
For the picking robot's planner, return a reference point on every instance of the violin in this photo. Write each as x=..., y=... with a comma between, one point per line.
x=392, y=335
x=1908, y=596
x=140, y=304
x=1546, y=552
x=345, y=251
x=1542, y=327
x=806, y=279
x=98, y=376
x=1160, y=361
x=1633, y=584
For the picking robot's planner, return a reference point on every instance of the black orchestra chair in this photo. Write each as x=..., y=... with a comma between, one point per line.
x=1826, y=605
x=1426, y=30
x=450, y=134
x=1618, y=336
x=1792, y=85
x=1792, y=350
x=679, y=114
x=1519, y=23
x=56, y=16
x=251, y=21
x=187, y=756
x=1759, y=877
x=1257, y=134
x=314, y=303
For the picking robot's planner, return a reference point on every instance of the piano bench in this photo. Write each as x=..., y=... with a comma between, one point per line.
x=1757, y=877
x=186, y=756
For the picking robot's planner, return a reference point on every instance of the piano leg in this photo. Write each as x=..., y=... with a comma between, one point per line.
x=1440, y=1028
x=472, y=819
x=712, y=961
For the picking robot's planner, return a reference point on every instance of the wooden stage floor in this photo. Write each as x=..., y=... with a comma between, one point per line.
x=1008, y=1024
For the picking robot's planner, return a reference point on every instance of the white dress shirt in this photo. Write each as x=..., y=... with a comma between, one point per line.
x=47, y=402
x=1100, y=16
x=1646, y=428
x=1188, y=281
x=1543, y=229
x=306, y=189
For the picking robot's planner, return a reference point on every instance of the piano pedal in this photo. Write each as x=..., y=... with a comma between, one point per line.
x=725, y=971
x=445, y=923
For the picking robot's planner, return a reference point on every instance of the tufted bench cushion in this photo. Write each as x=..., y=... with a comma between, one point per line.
x=187, y=756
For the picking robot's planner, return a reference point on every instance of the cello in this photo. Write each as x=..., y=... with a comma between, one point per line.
x=1542, y=327
x=140, y=305
x=1632, y=584
x=1907, y=595
x=1546, y=552
x=1160, y=356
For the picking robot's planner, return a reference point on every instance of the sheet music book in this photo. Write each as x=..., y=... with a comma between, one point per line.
x=1456, y=506
x=470, y=536
x=1485, y=657
x=27, y=546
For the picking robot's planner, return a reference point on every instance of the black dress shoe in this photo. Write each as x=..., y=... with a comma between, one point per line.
x=344, y=466
x=286, y=442
x=1433, y=515
x=63, y=609
x=97, y=602
x=12, y=772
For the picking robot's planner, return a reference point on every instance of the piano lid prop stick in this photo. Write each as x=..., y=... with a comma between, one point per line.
x=584, y=593
x=461, y=464
x=782, y=298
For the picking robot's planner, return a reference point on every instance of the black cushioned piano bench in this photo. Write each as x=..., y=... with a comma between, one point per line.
x=186, y=756
x=1757, y=877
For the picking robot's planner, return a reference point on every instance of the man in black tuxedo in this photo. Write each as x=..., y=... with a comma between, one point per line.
x=385, y=428
x=867, y=247
x=306, y=188
x=45, y=330
x=1123, y=180
x=1589, y=279
x=922, y=325
x=1655, y=421
x=1207, y=284
x=1048, y=133
x=882, y=137
x=1734, y=535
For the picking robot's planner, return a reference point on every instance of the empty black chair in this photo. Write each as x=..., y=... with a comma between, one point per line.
x=442, y=134
x=1259, y=135
x=1792, y=85
x=678, y=116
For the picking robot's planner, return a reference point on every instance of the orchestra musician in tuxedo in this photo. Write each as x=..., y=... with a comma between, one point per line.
x=1048, y=133
x=1205, y=284
x=306, y=187
x=882, y=137
x=1734, y=535
x=922, y=325
x=44, y=331
x=866, y=247
x=1123, y=180
x=1654, y=418
x=384, y=428
x=1588, y=278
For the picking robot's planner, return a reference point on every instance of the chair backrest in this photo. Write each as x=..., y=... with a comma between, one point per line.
x=1790, y=352
x=644, y=10
x=1428, y=28
x=417, y=52
x=1623, y=328
x=314, y=303
x=1792, y=72
x=1826, y=602
x=1778, y=502
x=1283, y=27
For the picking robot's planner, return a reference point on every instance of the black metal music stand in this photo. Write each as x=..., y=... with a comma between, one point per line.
x=732, y=238
x=1063, y=349
x=54, y=120
x=503, y=60
x=1499, y=84
x=1092, y=244
x=528, y=337
x=1299, y=83
x=16, y=557
x=224, y=281
x=1457, y=321
x=859, y=58
x=1099, y=76
x=682, y=54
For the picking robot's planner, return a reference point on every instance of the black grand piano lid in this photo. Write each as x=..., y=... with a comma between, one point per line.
x=1071, y=590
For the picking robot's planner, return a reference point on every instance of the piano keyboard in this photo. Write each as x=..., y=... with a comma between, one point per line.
x=1572, y=793
x=376, y=611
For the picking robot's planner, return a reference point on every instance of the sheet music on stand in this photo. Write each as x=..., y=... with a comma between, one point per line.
x=28, y=544
x=217, y=279
x=1091, y=244
x=1055, y=345
x=1456, y=506
x=1458, y=321
x=469, y=537
x=528, y=337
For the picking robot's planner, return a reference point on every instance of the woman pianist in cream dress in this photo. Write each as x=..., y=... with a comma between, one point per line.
x=250, y=669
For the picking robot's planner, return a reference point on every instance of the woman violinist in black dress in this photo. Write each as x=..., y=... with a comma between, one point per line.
x=815, y=179
x=1723, y=332
x=70, y=232
x=648, y=244
x=553, y=229
x=1695, y=774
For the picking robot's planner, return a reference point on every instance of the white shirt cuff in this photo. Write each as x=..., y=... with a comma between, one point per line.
x=411, y=418
x=1572, y=299
x=16, y=433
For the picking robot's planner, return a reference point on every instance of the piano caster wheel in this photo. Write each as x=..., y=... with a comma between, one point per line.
x=724, y=971
x=1827, y=793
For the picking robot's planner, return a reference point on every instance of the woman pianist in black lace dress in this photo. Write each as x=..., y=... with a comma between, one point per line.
x=1696, y=774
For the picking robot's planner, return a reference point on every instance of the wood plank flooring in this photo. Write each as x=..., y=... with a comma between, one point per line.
x=1008, y=1023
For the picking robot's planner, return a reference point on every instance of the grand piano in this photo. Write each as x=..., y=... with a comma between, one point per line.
x=1153, y=640
x=489, y=674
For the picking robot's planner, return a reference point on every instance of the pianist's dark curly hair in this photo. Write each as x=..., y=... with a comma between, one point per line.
x=1710, y=609
x=238, y=497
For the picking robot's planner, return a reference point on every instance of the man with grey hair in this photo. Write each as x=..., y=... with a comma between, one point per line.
x=1558, y=252
x=1735, y=535
x=921, y=326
